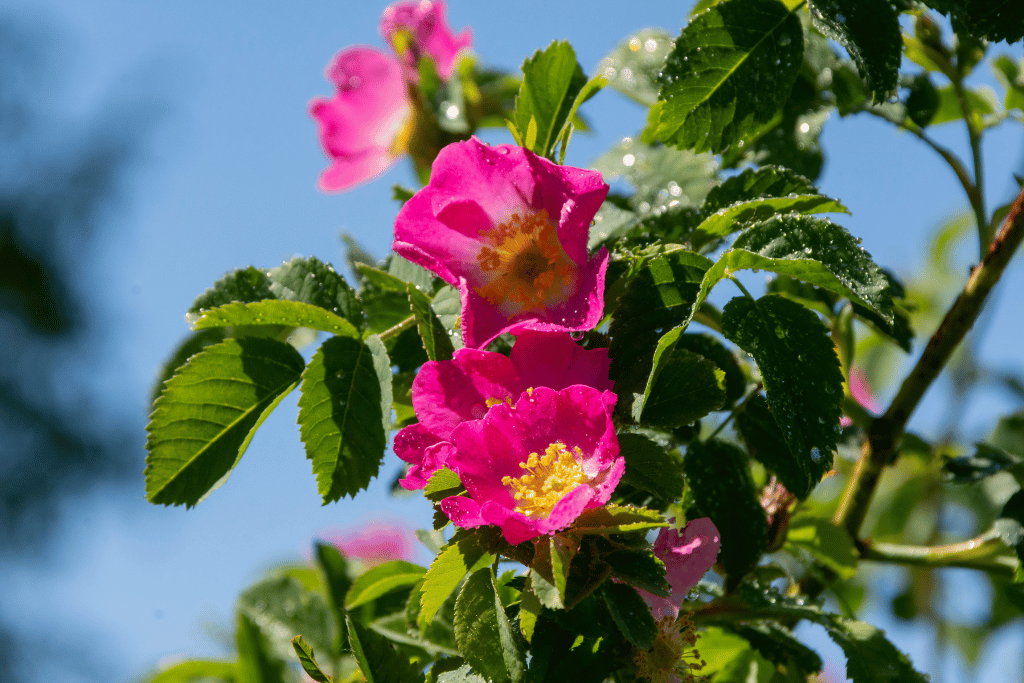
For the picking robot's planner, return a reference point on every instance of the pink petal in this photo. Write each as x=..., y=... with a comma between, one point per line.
x=477, y=195
x=360, y=127
x=447, y=393
x=687, y=555
x=430, y=33
x=551, y=359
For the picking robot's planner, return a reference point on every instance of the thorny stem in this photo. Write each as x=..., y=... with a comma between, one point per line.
x=884, y=434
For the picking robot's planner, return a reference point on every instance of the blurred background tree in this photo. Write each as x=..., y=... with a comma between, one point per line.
x=59, y=180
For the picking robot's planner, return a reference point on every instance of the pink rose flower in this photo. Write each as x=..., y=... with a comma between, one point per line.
x=687, y=557
x=509, y=229
x=365, y=127
x=415, y=28
x=447, y=393
x=375, y=543
x=532, y=468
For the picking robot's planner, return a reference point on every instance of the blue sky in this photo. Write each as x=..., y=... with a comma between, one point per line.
x=228, y=179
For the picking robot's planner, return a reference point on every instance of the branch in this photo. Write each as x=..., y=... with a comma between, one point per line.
x=885, y=432
x=986, y=552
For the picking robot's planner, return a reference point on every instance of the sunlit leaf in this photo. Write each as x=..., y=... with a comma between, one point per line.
x=274, y=312
x=209, y=411
x=551, y=81
x=382, y=579
x=307, y=659
x=378, y=660
x=345, y=413
x=729, y=74
x=312, y=281
x=483, y=632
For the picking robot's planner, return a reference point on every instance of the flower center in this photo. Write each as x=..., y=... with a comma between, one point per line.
x=548, y=478
x=524, y=265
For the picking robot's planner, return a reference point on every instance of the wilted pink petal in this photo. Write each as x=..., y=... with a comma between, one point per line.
x=534, y=467
x=376, y=542
x=509, y=229
x=447, y=393
x=365, y=126
x=415, y=29
x=687, y=556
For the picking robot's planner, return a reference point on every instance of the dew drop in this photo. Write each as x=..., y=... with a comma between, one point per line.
x=576, y=335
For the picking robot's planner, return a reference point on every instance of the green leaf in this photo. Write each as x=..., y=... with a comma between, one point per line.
x=757, y=194
x=766, y=443
x=244, y=284
x=463, y=674
x=273, y=312
x=382, y=279
x=336, y=580
x=436, y=339
x=715, y=351
x=660, y=295
x=410, y=273
x=828, y=543
x=551, y=81
x=1009, y=433
x=729, y=74
x=308, y=661
x=633, y=66
x=651, y=467
x=312, y=281
x=193, y=344
x=345, y=413
x=256, y=662
x=993, y=20
x=483, y=632
x=986, y=461
x=1010, y=75
x=736, y=216
x=730, y=658
x=778, y=645
x=382, y=579
x=870, y=657
x=617, y=519
x=630, y=613
x=283, y=608
x=1010, y=524
x=197, y=670
x=462, y=555
x=870, y=32
x=981, y=101
x=719, y=477
x=640, y=569
x=448, y=307
x=685, y=388
x=814, y=250
x=923, y=100
x=799, y=368
x=379, y=661
x=209, y=411
x=663, y=177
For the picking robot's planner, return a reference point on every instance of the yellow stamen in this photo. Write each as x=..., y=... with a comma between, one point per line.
x=495, y=401
x=527, y=266
x=547, y=479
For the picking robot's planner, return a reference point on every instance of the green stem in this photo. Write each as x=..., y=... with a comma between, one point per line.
x=396, y=330
x=974, y=136
x=742, y=288
x=884, y=434
x=985, y=552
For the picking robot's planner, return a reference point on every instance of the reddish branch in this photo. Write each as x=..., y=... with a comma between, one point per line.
x=885, y=432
